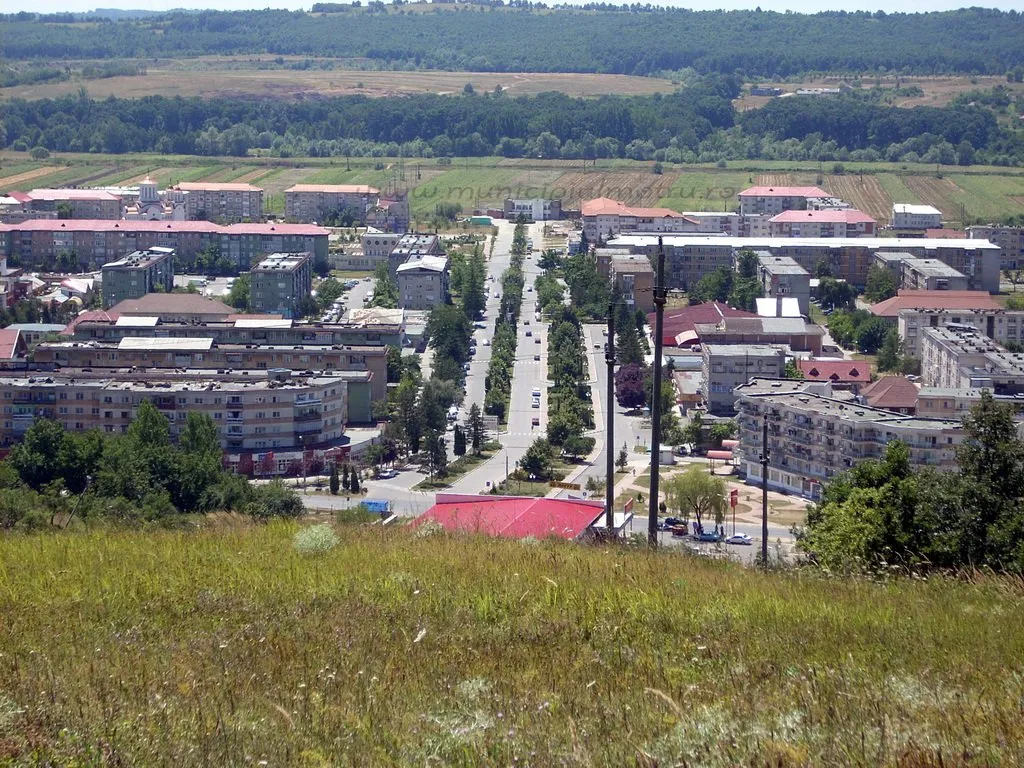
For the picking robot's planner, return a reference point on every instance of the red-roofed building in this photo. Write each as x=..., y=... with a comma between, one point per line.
x=935, y=300
x=679, y=324
x=604, y=217
x=757, y=201
x=832, y=222
x=12, y=345
x=513, y=516
x=100, y=315
x=842, y=374
x=892, y=393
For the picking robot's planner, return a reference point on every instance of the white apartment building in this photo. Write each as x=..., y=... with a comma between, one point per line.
x=815, y=433
x=603, y=218
x=958, y=357
x=1000, y=325
x=774, y=200
x=909, y=216
x=423, y=282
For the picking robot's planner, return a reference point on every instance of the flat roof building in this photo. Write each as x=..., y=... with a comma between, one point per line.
x=316, y=202
x=782, y=276
x=280, y=283
x=726, y=366
x=920, y=274
x=216, y=201
x=423, y=282
x=958, y=357
x=775, y=200
x=909, y=216
x=137, y=274
x=634, y=276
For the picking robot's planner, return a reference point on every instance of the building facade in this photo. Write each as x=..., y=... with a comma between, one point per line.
x=1009, y=239
x=634, y=276
x=423, y=282
x=80, y=203
x=958, y=357
x=908, y=216
x=775, y=200
x=214, y=201
x=814, y=434
x=536, y=209
x=1001, y=325
x=280, y=282
x=919, y=274
x=726, y=366
x=314, y=202
x=604, y=218
x=834, y=222
x=781, y=277
x=137, y=274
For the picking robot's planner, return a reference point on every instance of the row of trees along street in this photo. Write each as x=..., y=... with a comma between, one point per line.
x=498, y=384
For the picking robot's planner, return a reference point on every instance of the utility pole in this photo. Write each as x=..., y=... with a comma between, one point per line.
x=609, y=441
x=764, y=492
x=659, y=323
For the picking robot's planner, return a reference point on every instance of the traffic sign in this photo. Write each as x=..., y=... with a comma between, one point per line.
x=734, y=497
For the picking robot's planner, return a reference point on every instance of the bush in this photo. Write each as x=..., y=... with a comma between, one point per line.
x=315, y=540
x=274, y=499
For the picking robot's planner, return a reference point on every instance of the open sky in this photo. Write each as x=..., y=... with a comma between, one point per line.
x=797, y=6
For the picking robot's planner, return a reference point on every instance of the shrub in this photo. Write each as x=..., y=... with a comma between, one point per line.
x=274, y=499
x=315, y=540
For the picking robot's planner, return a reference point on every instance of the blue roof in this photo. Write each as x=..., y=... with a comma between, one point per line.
x=38, y=327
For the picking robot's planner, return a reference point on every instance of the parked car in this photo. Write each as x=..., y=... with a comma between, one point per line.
x=529, y=333
x=387, y=474
x=536, y=339
x=739, y=538
x=486, y=342
x=536, y=358
x=535, y=421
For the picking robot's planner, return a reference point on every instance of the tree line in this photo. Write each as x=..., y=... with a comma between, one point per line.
x=695, y=124
x=635, y=39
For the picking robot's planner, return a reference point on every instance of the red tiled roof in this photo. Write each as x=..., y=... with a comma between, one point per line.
x=339, y=189
x=275, y=229
x=9, y=342
x=891, y=393
x=679, y=321
x=115, y=225
x=839, y=371
x=945, y=234
x=101, y=315
x=216, y=186
x=513, y=516
x=831, y=216
x=784, y=192
x=604, y=206
x=172, y=304
x=911, y=299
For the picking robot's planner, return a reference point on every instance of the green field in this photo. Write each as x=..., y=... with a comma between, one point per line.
x=984, y=192
x=226, y=646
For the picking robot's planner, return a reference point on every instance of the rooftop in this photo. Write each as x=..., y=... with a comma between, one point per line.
x=155, y=343
x=679, y=324
x=827, y=216
x=631, y=262
x=513, y=516
x=935, y=300
x=784, y=192
x=9, y=342
x=282, y=262
x=780, y=265
x=116, y=225
x=891, y=393
x=215, y=186
x=604, y=206
x=681, y=240
x=742, y=350
x=838, y=371
x=424, y=262
x=55, y=195
x=141, y=259
x=159, y=304
x=915, y=210
x=182, y=380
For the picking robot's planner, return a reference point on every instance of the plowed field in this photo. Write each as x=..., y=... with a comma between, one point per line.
x=865, y=193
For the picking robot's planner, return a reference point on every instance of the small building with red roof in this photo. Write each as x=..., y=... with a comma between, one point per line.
x=515, y=517
x=679, y=324
x=892, y=393
x=842, y=374
x=934, y=300
x=604, y=217
x=832, y=222
x=12, y=345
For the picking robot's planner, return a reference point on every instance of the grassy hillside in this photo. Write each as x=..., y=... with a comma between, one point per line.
x=984, y=191
x=227, y=646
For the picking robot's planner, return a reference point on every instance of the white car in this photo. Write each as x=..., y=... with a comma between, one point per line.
x=386, y=474
x=740, y=538
x=486, y=342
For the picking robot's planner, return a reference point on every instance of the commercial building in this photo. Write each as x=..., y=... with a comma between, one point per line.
x=917, y=274
x=815, y=433
x=783, y=277
x=908, y=216
x=280, y=282
x=1009, y=239
x=603, y=218
x=315, y=202
x=423, y=282
x=537, y=209
x=958, y=357
x=79, y=203
x=515, y=517
x=793, y=332
x=37, y=243
x=633, y=274
x=833, y=222
x=137, y=274
x=726, y=366
x=253, y=410
x=775, y=200
x=217, y=201
x=690, y=257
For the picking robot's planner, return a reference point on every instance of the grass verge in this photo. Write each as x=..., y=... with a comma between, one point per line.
x=227, y=645
x=454, y=471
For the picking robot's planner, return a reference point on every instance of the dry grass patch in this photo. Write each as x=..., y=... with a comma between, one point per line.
x=864, y=192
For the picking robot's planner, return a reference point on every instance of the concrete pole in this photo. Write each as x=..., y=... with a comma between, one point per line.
x=609, y=358
x=659, y=323
x=764, y=492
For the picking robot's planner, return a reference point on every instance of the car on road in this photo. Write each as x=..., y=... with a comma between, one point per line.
x=486, y=342
x=386, y=474
x=536, y=358
x=535, y=421
x=529, y=332
x=466, y=367
x=536, y=339
x=529, y=289
x=740, y=538
x=497, y=295
x=526, y=322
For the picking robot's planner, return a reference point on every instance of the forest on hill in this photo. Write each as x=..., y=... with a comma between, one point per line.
x=694, y=124
x=638, y=40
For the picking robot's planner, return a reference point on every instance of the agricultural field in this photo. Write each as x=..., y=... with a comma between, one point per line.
x=171, y=80
x=984, y=192
x=234, y=645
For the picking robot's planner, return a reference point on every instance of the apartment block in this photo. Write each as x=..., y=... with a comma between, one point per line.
x=604, y=218
x=958, y=357
x=918, y=274
x=137, y=274
x=783, y=277
x=723, y=222
x=204, y=353
x=633, y=274
x=1009, y=239
x=908, y=216
x=939, y=402
x=315, y=202
x=423, y=282
x=690, y=257
x=413, y=245
x=280, y=282
x=833, y=222
x=80, y=203
x=253, y=411
x=815, y=433
x=775, y=200
x=1000, y=325
x=36, y=243
x=214, y=201
x=726, y=366
x=377, y=246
